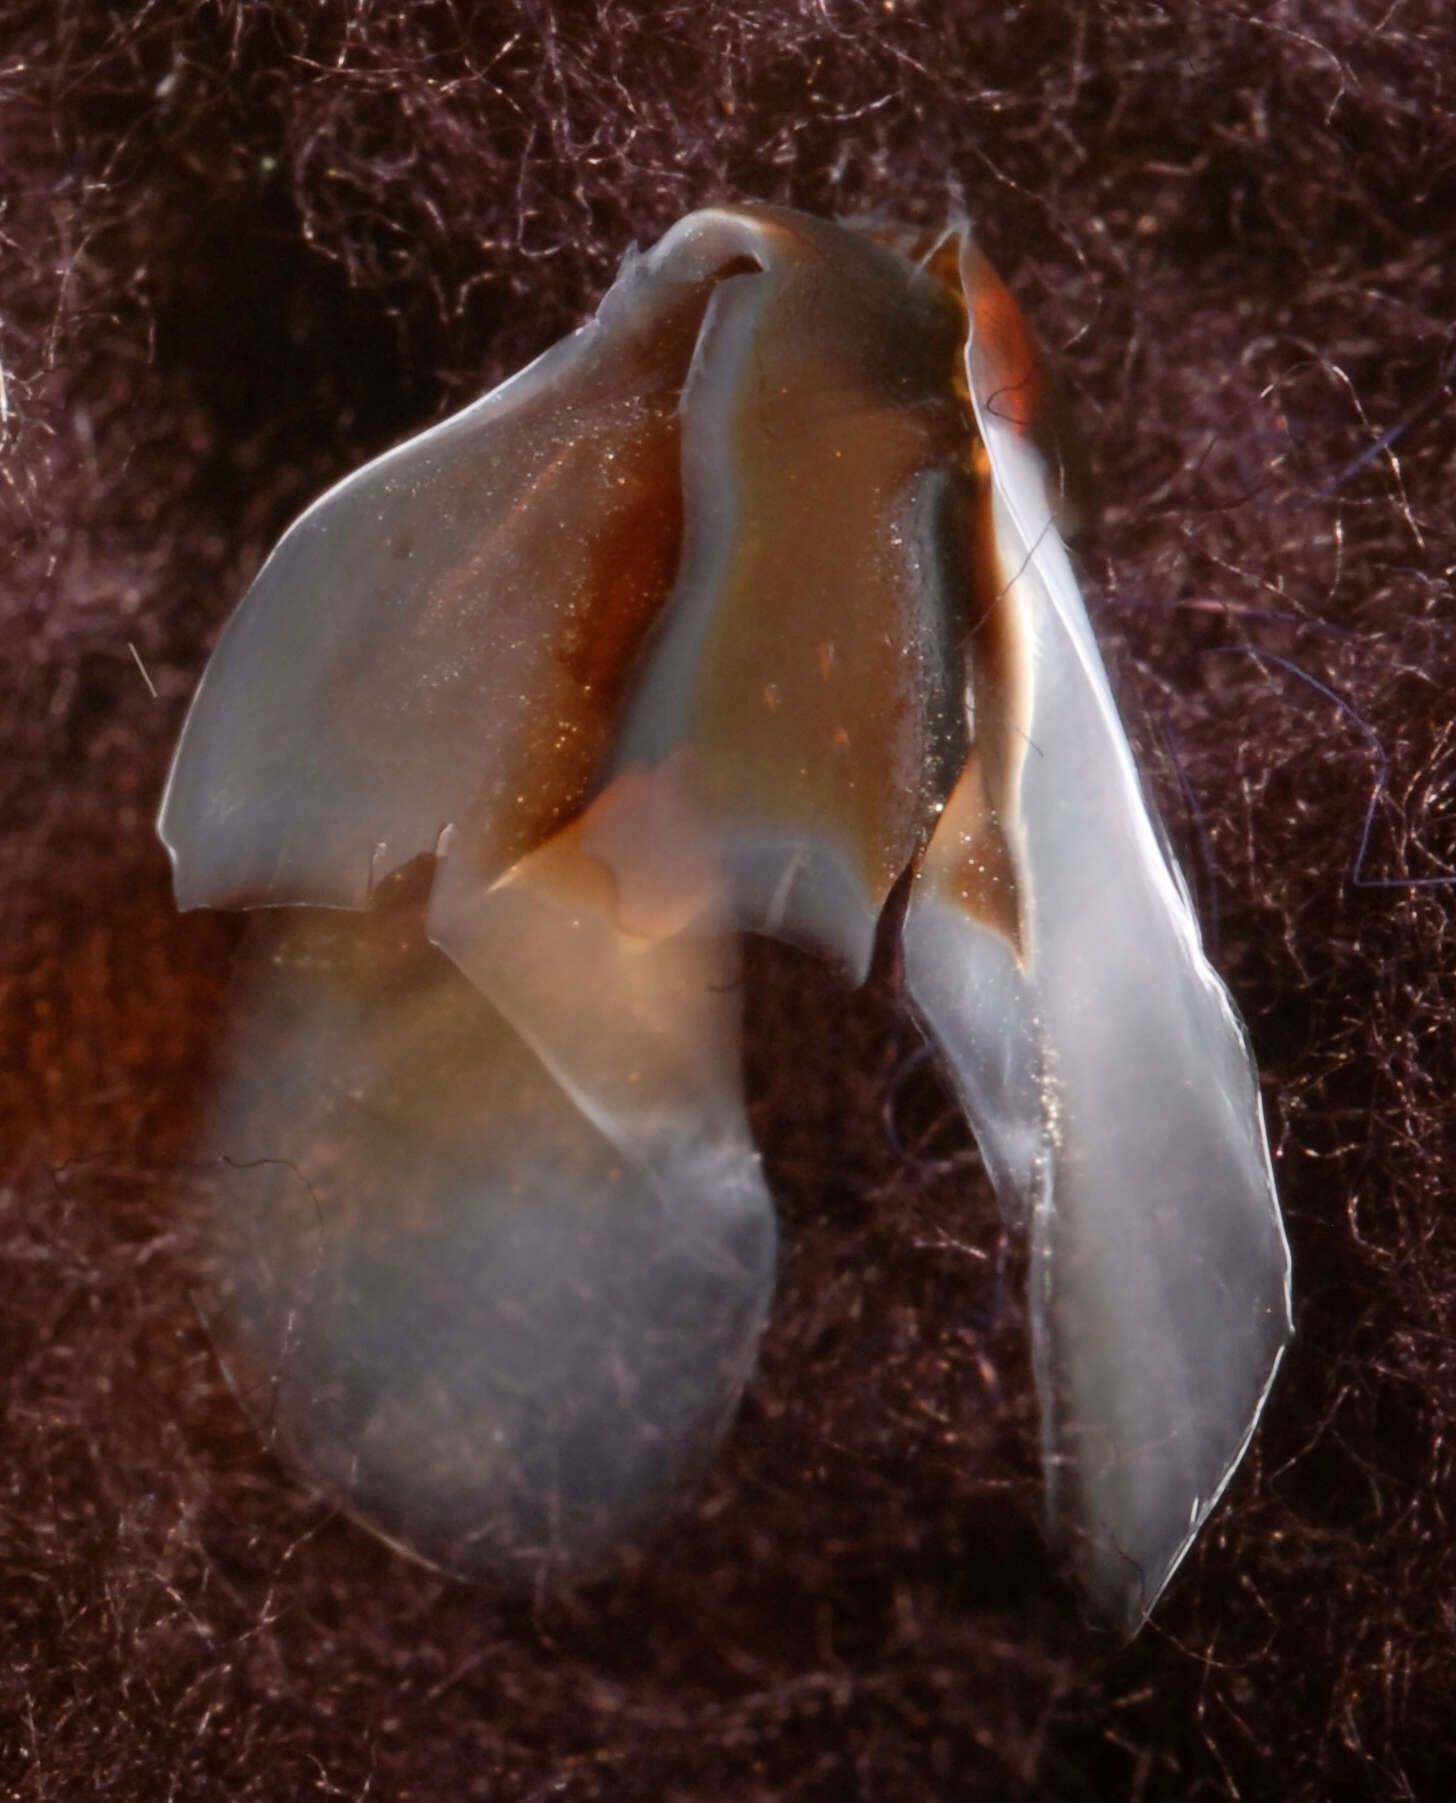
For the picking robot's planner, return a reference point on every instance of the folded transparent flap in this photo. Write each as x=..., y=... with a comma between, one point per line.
x=448, y=631
x=1160, y=1271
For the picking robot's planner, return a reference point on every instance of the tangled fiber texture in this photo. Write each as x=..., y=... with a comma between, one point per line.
x=242, y=246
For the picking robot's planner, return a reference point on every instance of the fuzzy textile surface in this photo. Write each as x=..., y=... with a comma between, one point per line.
x=244, y=245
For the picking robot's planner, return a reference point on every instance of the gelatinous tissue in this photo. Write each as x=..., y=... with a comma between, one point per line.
x=738, y=610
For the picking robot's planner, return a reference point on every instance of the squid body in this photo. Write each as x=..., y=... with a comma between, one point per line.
x=741, y=609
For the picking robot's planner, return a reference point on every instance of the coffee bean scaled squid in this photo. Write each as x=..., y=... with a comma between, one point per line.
x=741, y=609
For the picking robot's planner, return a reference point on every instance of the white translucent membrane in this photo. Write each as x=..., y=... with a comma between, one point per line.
x=670, y=636
x=1111, y=1087
x=445, y=1293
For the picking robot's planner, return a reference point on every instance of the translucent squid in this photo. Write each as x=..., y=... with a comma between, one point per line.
x=741, y=609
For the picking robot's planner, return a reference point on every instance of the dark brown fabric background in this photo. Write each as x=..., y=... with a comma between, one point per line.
x=245, y=245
